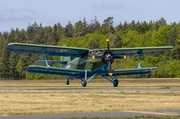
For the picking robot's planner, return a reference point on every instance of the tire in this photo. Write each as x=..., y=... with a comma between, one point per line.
x=115, y=83
x=84, y=83
x=67, y=82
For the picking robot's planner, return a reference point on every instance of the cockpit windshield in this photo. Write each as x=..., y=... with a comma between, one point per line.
x=98, y=52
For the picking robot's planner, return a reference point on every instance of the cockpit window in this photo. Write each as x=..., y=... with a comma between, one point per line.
x=97, y=52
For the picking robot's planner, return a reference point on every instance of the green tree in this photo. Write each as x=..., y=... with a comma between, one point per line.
x=162, y=21
x=125, y=26
x=173, y=39
x=92, y=44
x=13, y=56
x=108, y=22
x=61, y=31
x=4, y=54
x=131, y=39
x=79, y=29
x=119, y=27
x=118, y=41
x=93, y=26
x=69, y=30
x=161, y=37
x=55, y=36
x=96, y=24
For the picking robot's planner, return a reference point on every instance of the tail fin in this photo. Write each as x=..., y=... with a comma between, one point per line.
x=65, y=59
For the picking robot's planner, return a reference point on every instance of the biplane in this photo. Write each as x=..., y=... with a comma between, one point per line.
x=87, y=63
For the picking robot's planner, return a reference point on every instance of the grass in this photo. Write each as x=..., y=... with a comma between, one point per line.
x=13, y=102
x=94, y=83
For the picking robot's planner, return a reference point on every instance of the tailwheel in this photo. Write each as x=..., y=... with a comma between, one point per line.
x=84, y=83
x=67, y=82
x=115, y=83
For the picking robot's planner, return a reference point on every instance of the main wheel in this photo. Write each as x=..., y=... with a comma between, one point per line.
x=115, y=83
x=84, y=83
x=67, y=82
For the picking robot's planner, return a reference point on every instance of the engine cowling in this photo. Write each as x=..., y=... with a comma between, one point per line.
x=107, y=57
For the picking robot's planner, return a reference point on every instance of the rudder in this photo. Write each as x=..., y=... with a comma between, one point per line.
x=68, y=59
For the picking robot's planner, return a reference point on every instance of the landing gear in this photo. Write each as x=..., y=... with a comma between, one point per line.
x=115, y=83
x=67, y=82
x=84, y=83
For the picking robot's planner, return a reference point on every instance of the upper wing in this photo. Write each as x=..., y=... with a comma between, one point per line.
x=142, y=50
x=135, y=50
x=48, y=49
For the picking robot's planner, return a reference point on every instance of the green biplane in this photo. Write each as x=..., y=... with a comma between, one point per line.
x=86, y=63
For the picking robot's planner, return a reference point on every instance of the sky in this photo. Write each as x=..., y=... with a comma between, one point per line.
x=20, y=13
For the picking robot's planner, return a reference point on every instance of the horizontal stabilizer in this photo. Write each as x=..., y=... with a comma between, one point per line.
x=50, y=62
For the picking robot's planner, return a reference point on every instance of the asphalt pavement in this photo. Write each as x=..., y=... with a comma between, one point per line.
x=107, y=89
x=96, y=114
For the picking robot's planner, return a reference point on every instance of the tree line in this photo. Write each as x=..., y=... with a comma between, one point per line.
x=92, y=35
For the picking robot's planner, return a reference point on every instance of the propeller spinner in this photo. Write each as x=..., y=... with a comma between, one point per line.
x=108, y=57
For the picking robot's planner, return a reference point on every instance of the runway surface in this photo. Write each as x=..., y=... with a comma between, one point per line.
x=96, y=114
x=107, y=89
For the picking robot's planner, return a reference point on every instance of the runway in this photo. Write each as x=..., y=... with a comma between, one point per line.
x=96, y=114
x=106, y=89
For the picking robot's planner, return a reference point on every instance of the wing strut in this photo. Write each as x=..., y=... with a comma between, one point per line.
x=107, y=78
x=115, y=82
x=84, y=82
x=90, y=77
x=45, y=58
x=122, y=62
x=139, y=59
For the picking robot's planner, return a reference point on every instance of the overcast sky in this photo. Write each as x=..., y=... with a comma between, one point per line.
x=19, y=13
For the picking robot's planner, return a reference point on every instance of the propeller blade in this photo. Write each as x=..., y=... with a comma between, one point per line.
x=109, y=66
x=120, y=56
x=107, y=40
x=100, y=57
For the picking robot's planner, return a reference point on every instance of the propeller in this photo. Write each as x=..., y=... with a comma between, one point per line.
x=108, y=57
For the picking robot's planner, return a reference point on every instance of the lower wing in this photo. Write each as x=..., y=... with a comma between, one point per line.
x=131, y=71
x=81, y=73
x=54, y=70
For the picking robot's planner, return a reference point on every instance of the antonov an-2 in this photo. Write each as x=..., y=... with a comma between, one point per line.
x=86, y=63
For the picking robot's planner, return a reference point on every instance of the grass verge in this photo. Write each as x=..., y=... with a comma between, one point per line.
x=15, y=102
